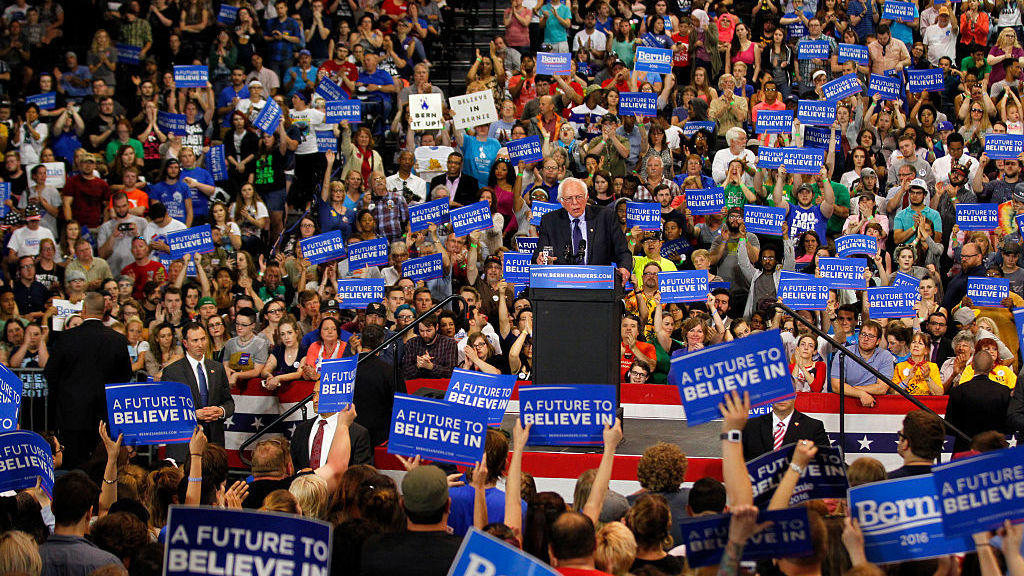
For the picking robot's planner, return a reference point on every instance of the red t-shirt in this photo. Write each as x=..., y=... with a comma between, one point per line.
x=151, y=272
x=620, y=87
x=681, y=58
x=90, y=197
x=346, y=69
x=627, y=359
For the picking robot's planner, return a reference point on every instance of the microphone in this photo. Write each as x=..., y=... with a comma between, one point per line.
x=565, y=256
x=581, y=256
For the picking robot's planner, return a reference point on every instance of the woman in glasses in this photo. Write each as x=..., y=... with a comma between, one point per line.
x=273, y=313
x=481, y=357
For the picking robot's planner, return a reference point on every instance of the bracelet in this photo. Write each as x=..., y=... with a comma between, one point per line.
x=114, y=481
x=796, y=468
x=191, y=479
x=194, y=454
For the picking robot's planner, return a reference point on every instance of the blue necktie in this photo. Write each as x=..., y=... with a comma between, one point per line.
x=204, y=390
x=577, y=236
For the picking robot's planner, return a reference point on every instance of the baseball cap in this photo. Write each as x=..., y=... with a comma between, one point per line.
x=592, y=88
x=1010, y=245
x=255, y=83
x=302, y=96
x=206, y=300
x=32, y=212
x=964, y=316
x=172, y=161
x=866, y=172
x=424, y=489
x=1018, y=193
x=609, y=118
x=962, y=172
x=944, y=125
x=618, y=62
x=919, y=183
x=944, y=10
x=13, y=219
x=305, y=52
x=74, y=275
x=376, y=308
x=329, y=305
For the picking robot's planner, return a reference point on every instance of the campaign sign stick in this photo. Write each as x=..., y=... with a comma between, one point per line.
x=803, y=160
x=816, y=112
x=45, y=101
x=843, y=272
x=983, y=217
x=326, y=141
x=551, y=63
x=205, y=541
x=819, y=137
x=337, y=382
x=901, y=520
x=774, y=122
x=803, y=291
x=985, y=291
x=11, y=388
x=190, y=75
x=329, y=90
x=421, y=216
x=472, y=110
x=564, y=415
x=646, y=215
x=853, y=52
x=481, y=554
x=764, y=219
x=476, y=216
x=423, y=268
x=824, y=477
x=127, y=54
x=901, y=279
x=216, y=163
x=150, y=413
x=691, y=127
x=24, y=457
x=322, y=248
x=1003, y=146
x=770, y=157
x=526, y=244
x=490, y=392
x=813, y=50
x=856, y=244
x=889, y=88
x=195, y=240
x=437, y=430
x=269, y=117
x=642, y=103
x=171, y=123
x=658, y=60
x=757, y=366
x=580, y=277
x=788, y=535
x=842, y=87
x=368, y=253
x=525, y=150
x=338, y=110
x=899, y=11
x=516, y=267
x=540, y=208
x=358, y=293
x=683, y=286
x=227, y=14
x=893, y=301
x=706, y=200
x=928, y=80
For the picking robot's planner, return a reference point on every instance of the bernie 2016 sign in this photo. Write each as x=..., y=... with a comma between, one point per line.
x=658, y=60
x=539, y=208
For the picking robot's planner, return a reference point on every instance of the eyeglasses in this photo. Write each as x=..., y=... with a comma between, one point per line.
x=867, y=336
x=217, y=325
x=965, y=255
x=575, y=198
x=650, y=273
x=978, y=110
x=240, y=325
x=275, y=311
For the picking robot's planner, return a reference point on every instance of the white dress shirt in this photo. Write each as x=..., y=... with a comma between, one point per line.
x=776, y=420
x=329, y=429
x=583, y=229
x=197, y=366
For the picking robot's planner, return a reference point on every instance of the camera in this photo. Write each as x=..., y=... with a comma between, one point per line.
x=124, y=227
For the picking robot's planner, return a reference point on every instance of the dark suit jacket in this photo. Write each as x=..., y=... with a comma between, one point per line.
x=359, y=438
x=219, y=394
x=374, y=396
x=977, y=405
x=944, y=352
x=606, y=244
x=758, y=437
x=465, y=194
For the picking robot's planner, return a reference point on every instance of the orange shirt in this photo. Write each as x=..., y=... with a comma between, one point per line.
x=627, y=358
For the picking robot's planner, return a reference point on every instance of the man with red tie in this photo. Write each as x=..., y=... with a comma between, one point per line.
x=312, y=439
x=783, y=425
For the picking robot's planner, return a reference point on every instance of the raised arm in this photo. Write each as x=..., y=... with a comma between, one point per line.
x=598, y=491
x=514, y=479
x=734, y=471
x=108, y=492
x=341, y=451
x=802, y=455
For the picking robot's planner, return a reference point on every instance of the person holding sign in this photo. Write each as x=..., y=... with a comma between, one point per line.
x=805, y=214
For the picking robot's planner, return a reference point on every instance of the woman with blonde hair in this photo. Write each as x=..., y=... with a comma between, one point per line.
x=616, y=549
x=281, y=500
x=138, y=347
x=310, y=492
x=1007, y=48
x=19, y=554
x=696, y=334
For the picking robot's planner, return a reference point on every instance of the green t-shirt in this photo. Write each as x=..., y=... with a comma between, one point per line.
x=734, y=197
x=968, y=63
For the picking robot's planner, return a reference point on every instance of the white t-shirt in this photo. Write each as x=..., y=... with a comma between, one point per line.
x=431, y=160
x=598, y=40
x=307, y=121
x=416, y=184
x=940, y=42
x=25, y=242
x=156, y=232
x=249, y=108
x=52, y=197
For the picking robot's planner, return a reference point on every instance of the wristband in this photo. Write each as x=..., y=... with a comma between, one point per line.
x=191, y=479
x=114, y=481
x=796, y=468
x=194, y=454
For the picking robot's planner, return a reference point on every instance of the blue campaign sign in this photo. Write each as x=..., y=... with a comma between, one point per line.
x=5, y=195
x=774, y=122
x=360, y=292
x=816, y=112
x=337, y=381
x=764, y=219
x=893, y=301
x=706, y=200
x=675, y=248
x=526, y=244
x=204, y=541
x=803, y=291
x=657, y=60
x=977, y=493
x=642, y=103
x=368, y=253
x=819, y=137
x=482, y=553
x=476, y=216
x=985, y=291
x=856, y=244
x=899, y=11
x=45, y=101
x=928, y=80
x=813, y=50
x=322, y=248
x=842, y=87
x=216, y=163
x=150, y=413
x=843, y=272
x=564, y=415
x=788, y=535
x=889, y=88
x=227, y=14
x=329, y=90
x=712, y=286
x=646, y=215
x=127, y=54
x=803, y=160
x=421, y=216
x=437, y=430
x=490, y=392
x=579, y=277
x=190, y=75
x=539, y=208
x=691, y=127
x=683, y=286
x=551, y=63
x=770, y=157
x=1018, y=321
x=326, y=141
x=24, y=457
x=853, y=53
x=1003, y=146
x=1018, y=220
x=268, y=118
x=901, y=279
x=195, y=240
x=756, y=366
x=901, y=520
x=824, y=477
x=10, y=398
x=171, y=123
x=525, y=150
x=338, y=110
x=983, y=217
x=424, y=268
x=516, y=267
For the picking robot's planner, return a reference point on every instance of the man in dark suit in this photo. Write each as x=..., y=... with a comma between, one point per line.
x=978, y=405
x=942, y=345
x=375, y=387
x=303, y=446
x=209, y=383
x=759, y=435
x=565, y=230
x=462, y=188
x=83, y=360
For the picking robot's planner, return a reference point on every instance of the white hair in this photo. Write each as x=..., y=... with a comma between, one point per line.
x=734, y=133
x=575, y=181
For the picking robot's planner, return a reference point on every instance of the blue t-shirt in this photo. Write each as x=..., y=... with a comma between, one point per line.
x=479, y=157
x=905, y=220
x=379, y=77
x=300, y=82
x=460, y=517
x=224, y=98
x=803, y=219
x=553, y=29
x=173, y=196
x=200, y=201
x=882, y=360
x=331, y=219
